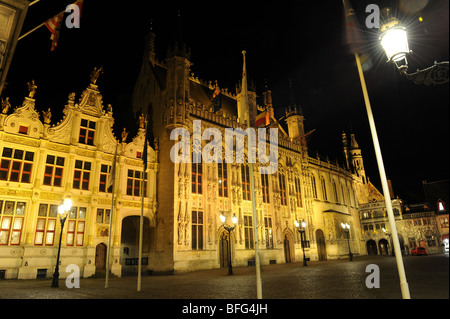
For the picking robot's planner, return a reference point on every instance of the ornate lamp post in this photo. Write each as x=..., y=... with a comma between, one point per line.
x=394, y=41
x=62, y=211
x=301, y=227
x=346, y=228
x=229, y=230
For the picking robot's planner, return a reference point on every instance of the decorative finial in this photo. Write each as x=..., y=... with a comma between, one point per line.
x=47, y=116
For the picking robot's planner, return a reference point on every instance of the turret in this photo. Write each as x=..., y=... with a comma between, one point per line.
x=357, y=159
x=294, y=117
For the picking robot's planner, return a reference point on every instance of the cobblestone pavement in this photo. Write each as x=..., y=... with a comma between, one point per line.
x=428, y=277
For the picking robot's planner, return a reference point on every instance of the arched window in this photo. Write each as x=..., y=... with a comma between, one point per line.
x=282, y=184
x=245, y=172
x=440, y=206
x=313, y=186
x=336, y=198
x=324, y=188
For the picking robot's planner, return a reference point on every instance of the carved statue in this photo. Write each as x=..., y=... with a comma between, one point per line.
x=142, y=119
x=72, y=96
x=124, y=135
x=47, y=116
x=109, y=108
x=95, y=74
x=31, y=89
x=5, y=105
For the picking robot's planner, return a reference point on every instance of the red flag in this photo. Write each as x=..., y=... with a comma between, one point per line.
x=54, y=25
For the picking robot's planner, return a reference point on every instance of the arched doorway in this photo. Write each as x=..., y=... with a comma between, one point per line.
x=321, y=247
x=383, y=246
x=100, y=257
x=224, y=254
x=129, y=245
x=401, y=242
x=287, y=250
x=371, y=247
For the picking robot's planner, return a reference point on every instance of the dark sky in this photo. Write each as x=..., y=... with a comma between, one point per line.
x=298, y=40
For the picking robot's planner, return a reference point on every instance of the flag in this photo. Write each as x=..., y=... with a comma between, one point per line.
x=112, y=172
x=262, y=119
x=354, y=39
x=144, y=155
x=54, y=25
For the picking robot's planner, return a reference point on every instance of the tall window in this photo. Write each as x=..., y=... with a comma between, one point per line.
x=16, y=165
x=11, y=222
x=54, y=166
x=87, y=132
x=324, y=188
x=313, y=186
x=268, y=232
x=245, y=172
x=282, y=183
x=196, y=178
x=75, y=226
x=344, y=199
x=104, y=173
x=265, y=187
x=46, y=225
x=197, y=230
x=336, y=198
x=248, y=232
x=298, y=193
x=102, y=216
x=81, y=175
x=223, y=180
x=134, y=180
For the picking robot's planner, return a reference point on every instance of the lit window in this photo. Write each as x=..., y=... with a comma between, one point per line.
x=134, y=180
x=197, y=230
x=11, y=222
x=81, y=175
x=76, y=225
x=245, y=172
x=46, y=225
x=16, y=165
x=87, y=132
x=53, y=170
x=441, y=206
x=223, y=180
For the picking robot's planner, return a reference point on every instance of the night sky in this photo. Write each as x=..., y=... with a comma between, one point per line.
x=298, y=40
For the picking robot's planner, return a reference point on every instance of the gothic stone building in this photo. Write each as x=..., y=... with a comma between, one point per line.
x=42, y=164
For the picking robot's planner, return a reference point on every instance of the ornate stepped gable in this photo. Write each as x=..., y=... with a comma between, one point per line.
x=25, y=121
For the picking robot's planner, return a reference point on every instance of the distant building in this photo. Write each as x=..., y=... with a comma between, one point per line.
x=436, y=194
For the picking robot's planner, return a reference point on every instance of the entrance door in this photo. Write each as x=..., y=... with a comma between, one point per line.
x=287, y=250
x=321, y=248
x=223, y=250
x=371, y=247
x=100, y=257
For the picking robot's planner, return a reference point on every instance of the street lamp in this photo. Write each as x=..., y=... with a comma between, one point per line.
x=301, y=227
x=62, y=211
x=394, y=41
x=229, y=230
x=346, y=228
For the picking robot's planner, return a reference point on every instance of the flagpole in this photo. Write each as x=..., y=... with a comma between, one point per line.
x=108, y=249
x=252, y=191
x=384, y=184
x=32, y=30
x=141, y=221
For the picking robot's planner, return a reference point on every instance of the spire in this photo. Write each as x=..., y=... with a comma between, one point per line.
x=293, y=108
x=179, y=47
x=267, y=95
